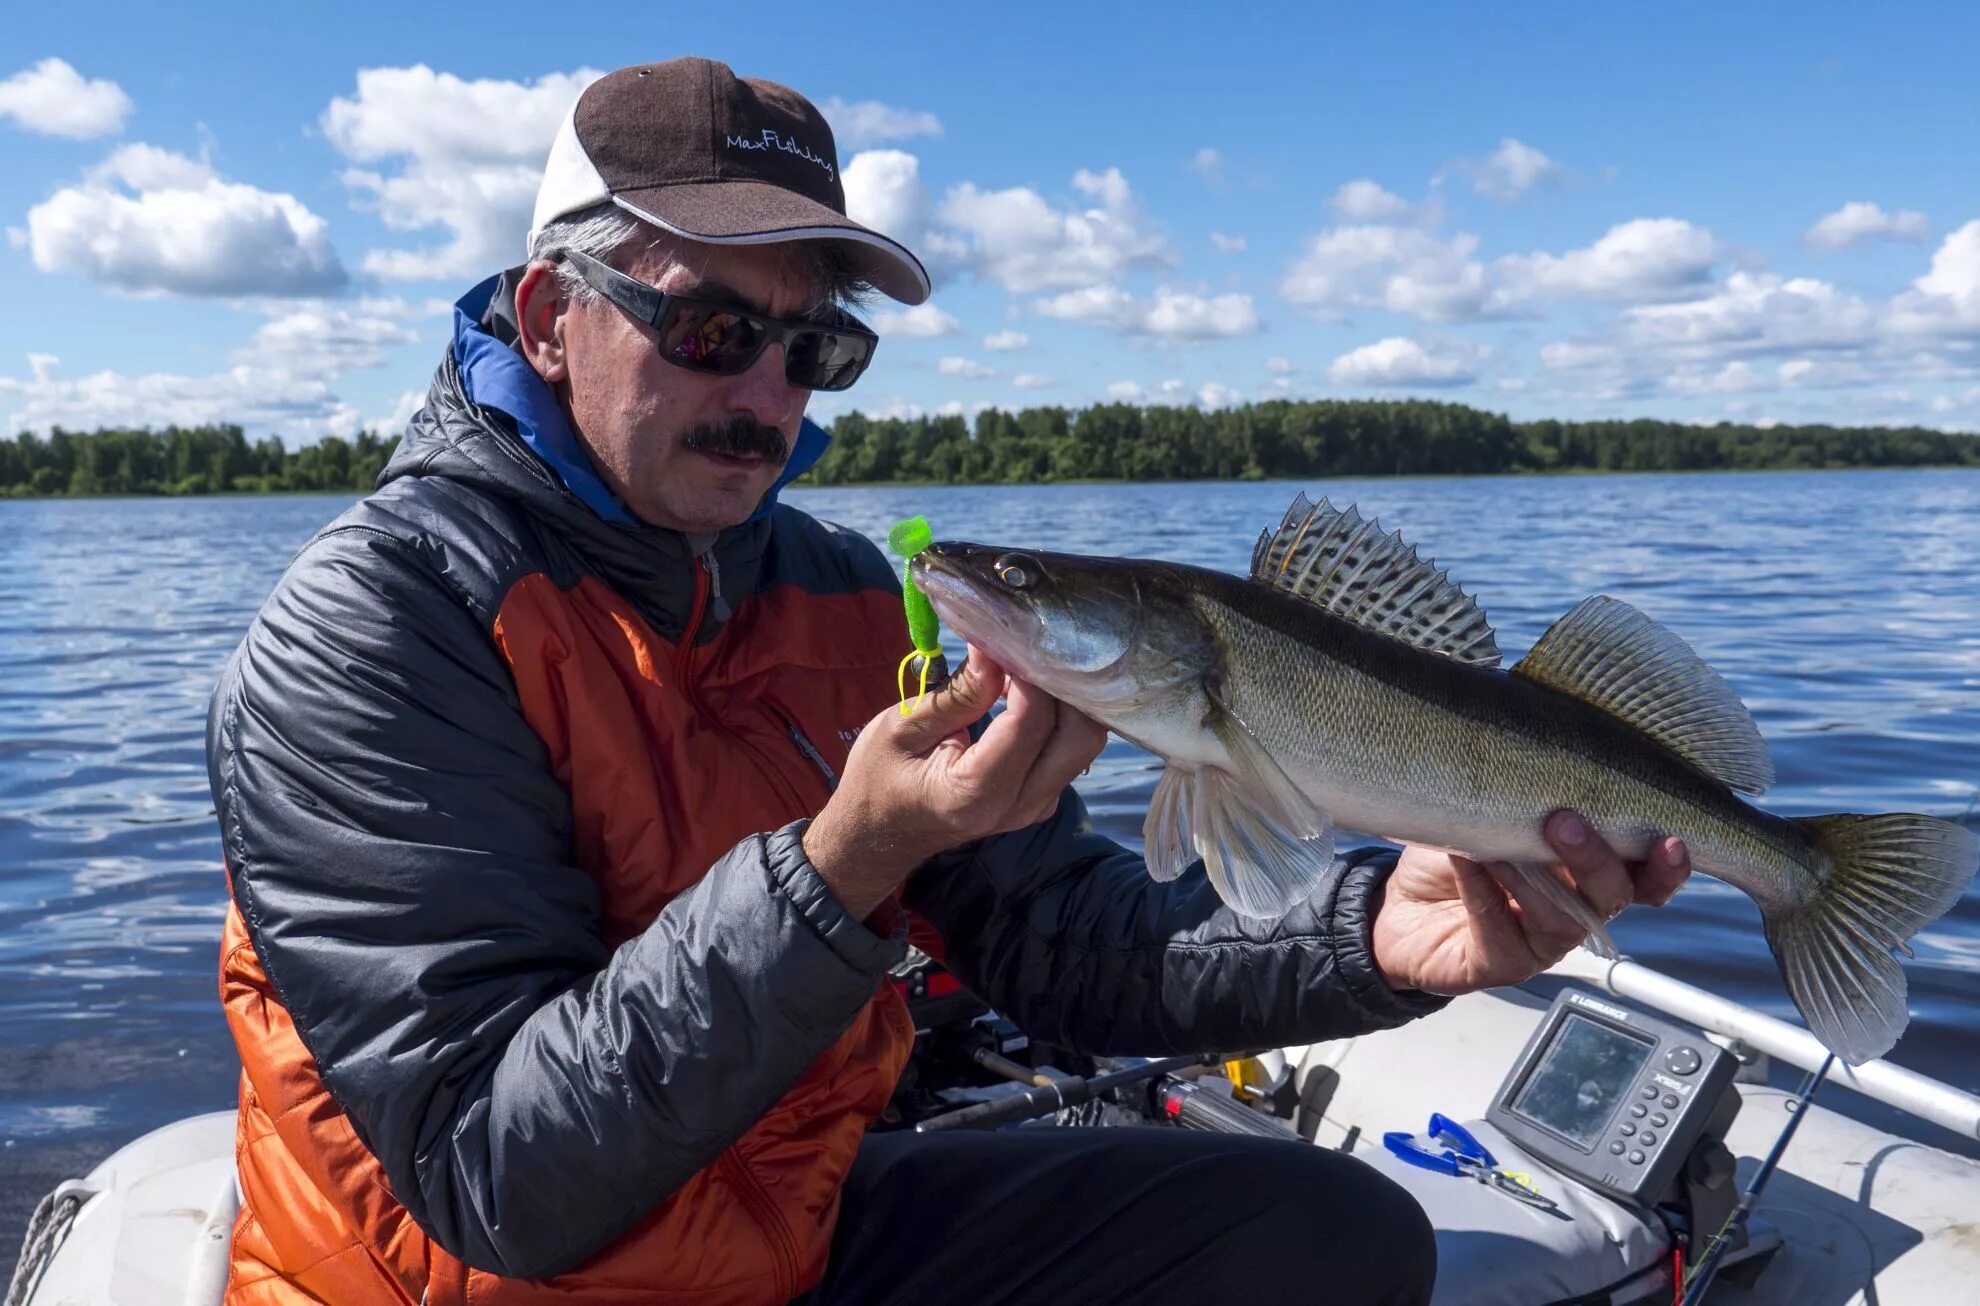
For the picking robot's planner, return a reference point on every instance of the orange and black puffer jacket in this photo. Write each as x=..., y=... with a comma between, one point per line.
x=536, y=996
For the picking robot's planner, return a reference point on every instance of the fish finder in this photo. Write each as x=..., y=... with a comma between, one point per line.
x=1614, y=1097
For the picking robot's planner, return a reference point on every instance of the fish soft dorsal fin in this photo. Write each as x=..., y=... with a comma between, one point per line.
x=1340, y=561
x=1610, y=655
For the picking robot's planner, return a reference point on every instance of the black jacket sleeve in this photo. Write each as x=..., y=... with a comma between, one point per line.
x=1062, y=930
x=398, y=848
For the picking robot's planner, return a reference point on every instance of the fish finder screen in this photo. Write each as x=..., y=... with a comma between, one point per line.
x=1581, y=1078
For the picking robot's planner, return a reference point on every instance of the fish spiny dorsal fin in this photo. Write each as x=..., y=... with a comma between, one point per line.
x=1340, y=561
x=1609, y=654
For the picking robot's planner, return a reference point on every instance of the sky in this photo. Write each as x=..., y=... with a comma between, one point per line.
x=1756, y=213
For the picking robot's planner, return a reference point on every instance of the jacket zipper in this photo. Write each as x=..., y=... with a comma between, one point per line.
x=705, y=586
x=776, y=1231
x=804, y=745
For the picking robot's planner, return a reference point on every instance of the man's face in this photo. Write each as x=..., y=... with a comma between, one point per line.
x=683, y=449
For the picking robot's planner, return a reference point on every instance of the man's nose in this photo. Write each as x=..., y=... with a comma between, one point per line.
x=763, y=394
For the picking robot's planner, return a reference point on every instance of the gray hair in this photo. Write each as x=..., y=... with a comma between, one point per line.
x=611, y=235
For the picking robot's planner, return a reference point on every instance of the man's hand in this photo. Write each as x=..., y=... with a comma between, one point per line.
x=915, y=785
x=1449, y=925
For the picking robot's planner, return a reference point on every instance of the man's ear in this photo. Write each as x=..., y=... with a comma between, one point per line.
x=540, y=308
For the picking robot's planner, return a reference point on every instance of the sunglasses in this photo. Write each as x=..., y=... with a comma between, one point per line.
x=722, y=339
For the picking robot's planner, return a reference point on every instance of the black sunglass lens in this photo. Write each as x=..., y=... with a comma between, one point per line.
x=711, y=339
x=825, y=360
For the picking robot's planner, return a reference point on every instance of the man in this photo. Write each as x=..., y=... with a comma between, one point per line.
x=562, y=906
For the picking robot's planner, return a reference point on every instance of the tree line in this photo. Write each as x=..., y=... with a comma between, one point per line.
x=1278, y=439
x=184, y=460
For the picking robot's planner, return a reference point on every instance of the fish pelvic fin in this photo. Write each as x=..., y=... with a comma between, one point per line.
x=1265, y=846
x=1608, y=654
x=1890, y=876
x=1538, y=880
x=1341, y=562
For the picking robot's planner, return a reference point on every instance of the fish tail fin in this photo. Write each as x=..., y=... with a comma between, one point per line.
x=1889, y=877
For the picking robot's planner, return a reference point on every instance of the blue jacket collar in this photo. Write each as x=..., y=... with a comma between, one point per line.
x=495, y=376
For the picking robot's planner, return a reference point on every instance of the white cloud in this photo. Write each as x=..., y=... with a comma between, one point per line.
x=1645, y=259
x=1125, y=392
x=1007, y=342
x=1509, y=171
x=150, y=222
x=454, y=170
x=1362, y=200
x=965, y=367
x=1859, y=221
x=259, y=399
x=957, y=408
x=1754, y=313
x=54, y=99
x=324, y=341
x=922, y=322
x=1169, y=314
x=1955, y=274
x=1215, y=394
x=1398, y=268
x=1227, y=244
x=1282, y=366
x=1399, y=361
x=1209, y=165
x=1016, y=239
x=869, y=122
x=403, y=408
x=1034, y=381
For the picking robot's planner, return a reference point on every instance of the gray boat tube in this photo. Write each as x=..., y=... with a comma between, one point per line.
x=1907, y=1090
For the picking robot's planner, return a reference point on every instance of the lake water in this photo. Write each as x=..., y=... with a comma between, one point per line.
x=1844, y=608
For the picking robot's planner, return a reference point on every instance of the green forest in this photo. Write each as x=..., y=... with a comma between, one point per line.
x=1281, y=439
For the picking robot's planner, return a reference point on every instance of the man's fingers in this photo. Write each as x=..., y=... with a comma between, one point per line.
x=1550, y=932
x=1075, y=741
x=1593, y=867
x=957, y=705
x=997, y=762
x=1663, y=872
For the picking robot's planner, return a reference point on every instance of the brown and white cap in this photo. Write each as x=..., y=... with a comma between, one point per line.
x=694, y=149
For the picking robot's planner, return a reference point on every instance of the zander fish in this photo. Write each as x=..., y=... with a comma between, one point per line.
x=1348, y=682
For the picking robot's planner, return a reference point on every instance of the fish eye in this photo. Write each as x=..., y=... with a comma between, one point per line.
x=1016, y=571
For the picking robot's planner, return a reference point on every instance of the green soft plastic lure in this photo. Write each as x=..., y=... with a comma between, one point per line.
x=907, y=538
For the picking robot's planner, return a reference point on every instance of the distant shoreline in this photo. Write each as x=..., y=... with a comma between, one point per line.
x=1106, y=444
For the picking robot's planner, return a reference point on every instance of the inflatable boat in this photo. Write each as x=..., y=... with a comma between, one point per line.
x=1590, y=1137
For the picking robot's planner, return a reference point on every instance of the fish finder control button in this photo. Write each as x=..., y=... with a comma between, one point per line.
x=1670, y=1102
x=1648, y=1140
x=1660, y=1120
x=1636, y=1157
x=1681, y=1061
x=1617, y=1148
x=1637, y=1109
x=1627, y=1129
x=1649, y=1092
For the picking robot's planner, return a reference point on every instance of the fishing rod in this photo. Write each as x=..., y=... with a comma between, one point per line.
x=1053, y=1095
x=1701, y=1274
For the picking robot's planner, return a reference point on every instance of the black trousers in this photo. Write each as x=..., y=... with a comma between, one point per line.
x=1092, y=1217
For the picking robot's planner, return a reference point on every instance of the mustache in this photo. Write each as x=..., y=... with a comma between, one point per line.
x=739, y=437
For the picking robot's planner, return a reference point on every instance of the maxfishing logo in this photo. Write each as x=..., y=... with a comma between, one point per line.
x=770, y=140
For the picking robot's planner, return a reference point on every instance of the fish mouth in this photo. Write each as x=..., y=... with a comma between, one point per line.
x=1003, y=626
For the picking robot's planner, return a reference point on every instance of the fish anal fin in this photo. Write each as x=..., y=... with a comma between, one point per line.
x=1608, y=654
x=1538, y=880
x=1345, y=564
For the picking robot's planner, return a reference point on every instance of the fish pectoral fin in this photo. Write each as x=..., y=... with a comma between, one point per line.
x=1168, y=845
x=1538, y=880
x=1608, y=654
x=1265, y=845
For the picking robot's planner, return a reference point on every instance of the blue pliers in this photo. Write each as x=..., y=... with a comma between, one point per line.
x=1453, y=1150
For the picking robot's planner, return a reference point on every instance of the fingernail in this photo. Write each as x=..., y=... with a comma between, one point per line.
x=1675, y=852
x=1570, y=830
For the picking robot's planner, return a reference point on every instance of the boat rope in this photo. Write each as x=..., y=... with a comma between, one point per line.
x=47, y=1227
